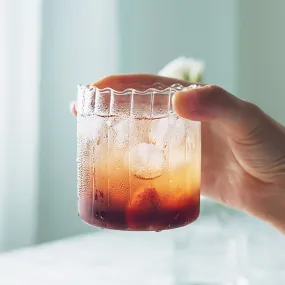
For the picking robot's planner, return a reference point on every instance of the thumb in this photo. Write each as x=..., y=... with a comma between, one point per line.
x=210, y=102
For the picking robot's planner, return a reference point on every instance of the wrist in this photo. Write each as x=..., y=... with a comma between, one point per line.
x=270, y=207
x=276, y=214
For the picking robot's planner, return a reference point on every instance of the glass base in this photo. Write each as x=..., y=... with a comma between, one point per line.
x=138, y=219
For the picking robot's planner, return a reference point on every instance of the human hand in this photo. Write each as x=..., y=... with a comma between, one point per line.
x=243, y=152
x=243, y=149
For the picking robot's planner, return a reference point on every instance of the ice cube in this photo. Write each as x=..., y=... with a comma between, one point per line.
x=170, y=130
x=88, y=133
x=158, y=131
x=89, y=127
x=85, y=154
x=177, y=131
x=121, y=132
x=176, y=158
x=145, y=161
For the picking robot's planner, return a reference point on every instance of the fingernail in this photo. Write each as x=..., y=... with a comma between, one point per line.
x=185, y=104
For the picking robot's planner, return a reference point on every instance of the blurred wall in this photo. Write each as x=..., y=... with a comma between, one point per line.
x=153, y=32
x=79, y=45
x=20, y=55
x=261, y=57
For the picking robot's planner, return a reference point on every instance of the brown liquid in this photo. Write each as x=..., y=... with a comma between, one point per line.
x=148, y=217
x=119, y=190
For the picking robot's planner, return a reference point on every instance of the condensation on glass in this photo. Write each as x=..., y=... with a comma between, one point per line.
x=138, y=163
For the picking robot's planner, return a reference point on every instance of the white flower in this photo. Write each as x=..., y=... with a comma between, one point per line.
x=184, y=68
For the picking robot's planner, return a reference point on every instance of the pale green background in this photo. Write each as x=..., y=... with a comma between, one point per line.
x=241, y=41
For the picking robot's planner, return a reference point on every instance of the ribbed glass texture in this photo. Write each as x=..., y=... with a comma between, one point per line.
x=138, y=163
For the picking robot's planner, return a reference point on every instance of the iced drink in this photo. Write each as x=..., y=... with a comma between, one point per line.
x=138, y=162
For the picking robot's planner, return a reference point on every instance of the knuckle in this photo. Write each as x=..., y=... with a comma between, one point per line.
x=215, y=88
x=251, y=109
x=217, y=91
x=218, y=94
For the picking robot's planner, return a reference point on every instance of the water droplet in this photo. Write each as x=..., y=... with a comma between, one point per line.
x=102, y=215
x=176, y=216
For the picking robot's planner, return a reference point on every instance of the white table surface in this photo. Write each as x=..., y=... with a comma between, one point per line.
x=102, y=258
x=119, y=258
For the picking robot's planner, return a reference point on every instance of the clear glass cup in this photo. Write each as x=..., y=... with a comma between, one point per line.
x=138, y=163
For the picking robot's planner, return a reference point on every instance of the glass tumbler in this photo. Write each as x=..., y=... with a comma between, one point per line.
x=138, y=163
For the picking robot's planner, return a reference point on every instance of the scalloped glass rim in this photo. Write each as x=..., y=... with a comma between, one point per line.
x=157, y=87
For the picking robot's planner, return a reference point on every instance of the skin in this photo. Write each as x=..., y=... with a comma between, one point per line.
x=243, y=149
